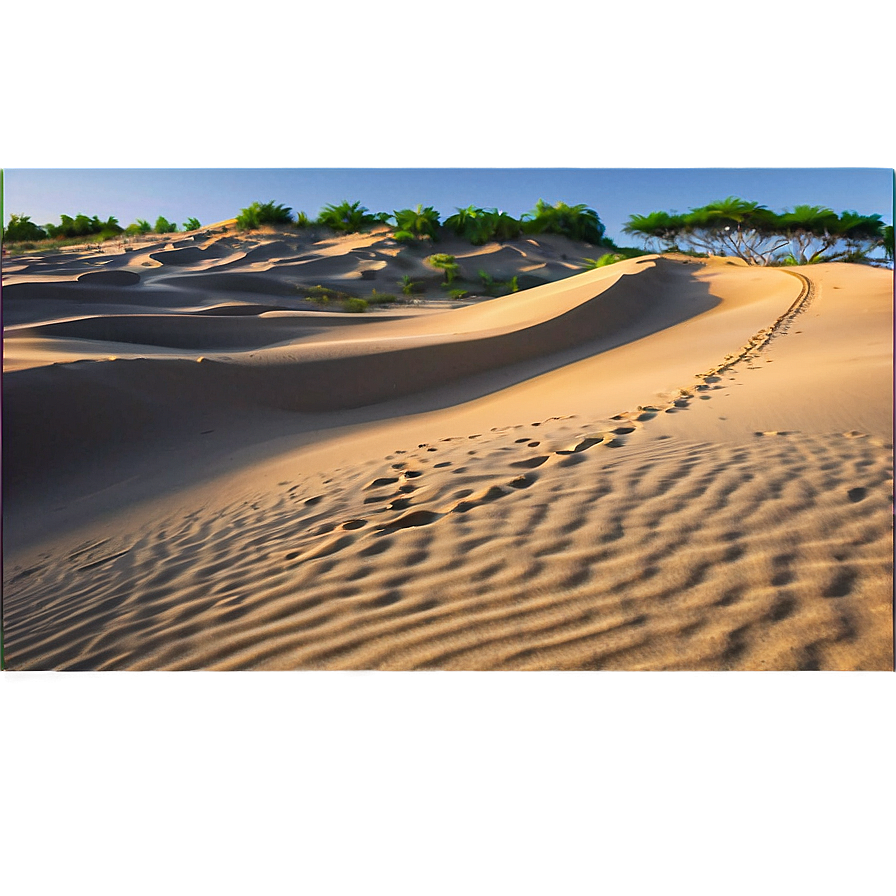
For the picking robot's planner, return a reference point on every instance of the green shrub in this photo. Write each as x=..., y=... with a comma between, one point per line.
x=419, y=221
x=347, y=217
x=21, y=227
x=192, y=224
x=139, y=226
x=163, y=225
x=355, y=305
x=445, y=263
x=409, y=286
x=457, y=294
x=261, y=213
x=403, y=236
x=381, y=298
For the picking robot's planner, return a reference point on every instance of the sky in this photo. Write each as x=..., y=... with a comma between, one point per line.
x=214, y=194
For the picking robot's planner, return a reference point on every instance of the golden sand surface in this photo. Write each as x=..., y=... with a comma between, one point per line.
x=667, y=463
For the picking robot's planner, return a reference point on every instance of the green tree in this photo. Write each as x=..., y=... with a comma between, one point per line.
x=659, y=230
x=886, y=241
x=21, y=228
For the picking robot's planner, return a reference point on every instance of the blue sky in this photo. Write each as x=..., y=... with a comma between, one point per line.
x=217, y=193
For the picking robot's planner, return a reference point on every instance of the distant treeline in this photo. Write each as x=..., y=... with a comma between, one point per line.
x=22, y=229
x=758, y=235
x=732, y=227
x=478, y=225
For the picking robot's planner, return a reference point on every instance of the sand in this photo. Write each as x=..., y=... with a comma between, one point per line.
x=667, y=463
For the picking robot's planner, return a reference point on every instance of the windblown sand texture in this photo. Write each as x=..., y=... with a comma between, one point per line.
x=662, y=464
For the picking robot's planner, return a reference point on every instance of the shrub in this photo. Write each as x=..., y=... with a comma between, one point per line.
x=445, y=263
x=347, y=217
x=163, y=225
x=457, y=294
x=381, y=298
x=302, y=220
x=409, y=286
x=421, y=222
x=578, y=222
x=355, y=305
x=403, y=236
x=192, y=224
x=260, y=213
x=21, y=227
x=139, y=226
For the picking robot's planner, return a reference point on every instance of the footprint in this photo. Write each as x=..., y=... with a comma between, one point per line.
x=856, y=494
x=379, y=483
x=532, y=462
x=400, y=504
x=412, y=519
x=523, y=481
x=354, y=524
x=586, y=443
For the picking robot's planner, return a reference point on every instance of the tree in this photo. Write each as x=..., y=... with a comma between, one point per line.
x=21, y=228
x=887, y=241
x=659, y=230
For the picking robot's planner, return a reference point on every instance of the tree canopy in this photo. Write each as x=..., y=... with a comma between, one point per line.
x=802, y=235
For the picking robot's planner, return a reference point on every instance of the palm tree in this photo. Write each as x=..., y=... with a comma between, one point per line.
x=346, y=217
x=578, y=222
x=419, y=221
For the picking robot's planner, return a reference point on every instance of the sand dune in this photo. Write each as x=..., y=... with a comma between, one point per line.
x=662, y=464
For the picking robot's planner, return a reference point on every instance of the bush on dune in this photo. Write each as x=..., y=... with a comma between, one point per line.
x=21, y=228
x=347, y=217
x=163, y=225
x=191, y=224
x=259, y=214
x=84, y=226
x=420, y=222
x=445, y=263
x=483, y=225
x=578, y=222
